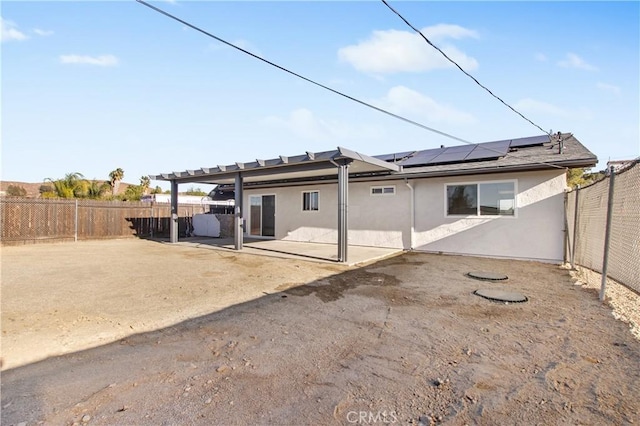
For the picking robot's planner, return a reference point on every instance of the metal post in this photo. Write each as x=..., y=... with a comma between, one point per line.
x=412, y=215
x=607, y=234
x=75, y=225
x=343, y=211
x=575, y=229
x=238, y=232
x=173, y=224
x=151, y=221
x=566, y=250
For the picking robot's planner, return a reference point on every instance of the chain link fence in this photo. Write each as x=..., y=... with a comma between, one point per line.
x=24, y=220
x=587, y=210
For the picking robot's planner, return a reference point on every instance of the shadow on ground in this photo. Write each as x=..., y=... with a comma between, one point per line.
x=402, y=340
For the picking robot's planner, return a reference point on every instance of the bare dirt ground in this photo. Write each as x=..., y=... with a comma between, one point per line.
x=214, y=337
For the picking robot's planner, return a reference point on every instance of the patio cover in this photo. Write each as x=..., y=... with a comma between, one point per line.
x=309, y=165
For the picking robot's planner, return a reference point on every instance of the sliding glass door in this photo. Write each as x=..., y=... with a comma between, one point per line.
x=262, y=215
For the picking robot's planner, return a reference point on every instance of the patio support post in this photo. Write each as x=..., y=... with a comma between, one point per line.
x=343, y=214
x=238, y=222
x=173, y=224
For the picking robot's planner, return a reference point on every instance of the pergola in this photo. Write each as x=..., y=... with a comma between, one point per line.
x=283, y=170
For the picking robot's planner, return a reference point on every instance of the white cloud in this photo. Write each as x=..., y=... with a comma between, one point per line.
x=574, y=61
x=43, y=33
x=541, y=57
x=9, y=31
x=393, y=51
x=404, y=101
x=102, y=60
x=533, y=106
x=304, y=124
x=608, y=88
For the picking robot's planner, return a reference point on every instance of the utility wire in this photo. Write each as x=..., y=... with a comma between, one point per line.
x=461, y=69
x=399, y=117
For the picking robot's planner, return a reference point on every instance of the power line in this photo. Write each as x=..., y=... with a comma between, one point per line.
x=461, y=69
x=399, y=117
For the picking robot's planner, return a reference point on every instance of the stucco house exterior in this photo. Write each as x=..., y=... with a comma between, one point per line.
x=498, y=199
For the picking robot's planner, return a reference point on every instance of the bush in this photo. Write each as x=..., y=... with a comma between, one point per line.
x=16, y=191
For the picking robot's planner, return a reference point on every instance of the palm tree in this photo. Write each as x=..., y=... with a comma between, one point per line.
x=68, y=187
x=145, y=182
x=115, y=178
x=96, y=189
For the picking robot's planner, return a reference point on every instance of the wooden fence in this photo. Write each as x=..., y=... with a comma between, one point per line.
x=25, y=220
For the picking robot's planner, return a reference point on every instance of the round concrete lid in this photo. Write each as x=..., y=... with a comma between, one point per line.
x=487, y=276
x=500, y=296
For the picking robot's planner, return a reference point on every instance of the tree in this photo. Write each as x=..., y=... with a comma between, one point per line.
x=195, y=191
x=114, y=179
x=72, y=185
x=16, y=191
x=582, y=177
x=145, y=182
x=156, y=190
x=45, y=188
x=96, y=189
x=132, y=193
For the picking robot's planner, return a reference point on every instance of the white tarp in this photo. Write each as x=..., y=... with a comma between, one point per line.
x=206, y=225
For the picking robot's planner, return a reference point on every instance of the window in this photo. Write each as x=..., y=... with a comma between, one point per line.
x=310, y=201
x=481, y=199
x=383, y=190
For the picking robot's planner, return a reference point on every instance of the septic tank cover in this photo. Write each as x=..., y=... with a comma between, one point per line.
x=500, y=295
x=487, y=276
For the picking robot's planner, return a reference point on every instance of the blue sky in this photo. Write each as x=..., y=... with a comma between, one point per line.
x=91, y=86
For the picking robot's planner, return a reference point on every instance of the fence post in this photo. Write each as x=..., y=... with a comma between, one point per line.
x=575, y=228
x=566, y=252
x=151, y=221
x=607, y=234
x=75, y=224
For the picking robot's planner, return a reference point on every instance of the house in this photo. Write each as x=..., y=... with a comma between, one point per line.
x=619, y=165
x=500, y=199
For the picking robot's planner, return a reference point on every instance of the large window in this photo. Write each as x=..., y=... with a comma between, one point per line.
x=310, y=201
x=481, y=199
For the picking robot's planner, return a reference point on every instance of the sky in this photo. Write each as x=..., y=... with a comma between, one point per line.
x=92, y=86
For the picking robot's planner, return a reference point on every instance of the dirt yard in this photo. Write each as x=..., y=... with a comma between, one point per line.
x=155, y=334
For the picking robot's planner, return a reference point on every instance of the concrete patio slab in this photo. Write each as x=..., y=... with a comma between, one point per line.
x=316, y=252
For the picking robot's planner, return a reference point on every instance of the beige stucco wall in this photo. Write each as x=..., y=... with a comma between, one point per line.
x=385, y=221
x=536, y=232
x=381, y=221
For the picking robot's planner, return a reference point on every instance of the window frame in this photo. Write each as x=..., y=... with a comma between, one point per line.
x=317, y=209
x=478, y=184
x=382, y=187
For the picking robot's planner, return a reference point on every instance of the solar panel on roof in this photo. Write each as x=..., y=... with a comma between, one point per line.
x=459, y=148
x=394, y=156
x=530, y=141
x=489, y=150
x=453, y=154
x=422, y=158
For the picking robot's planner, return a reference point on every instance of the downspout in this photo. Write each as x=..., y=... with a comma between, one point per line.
x=412, y=214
